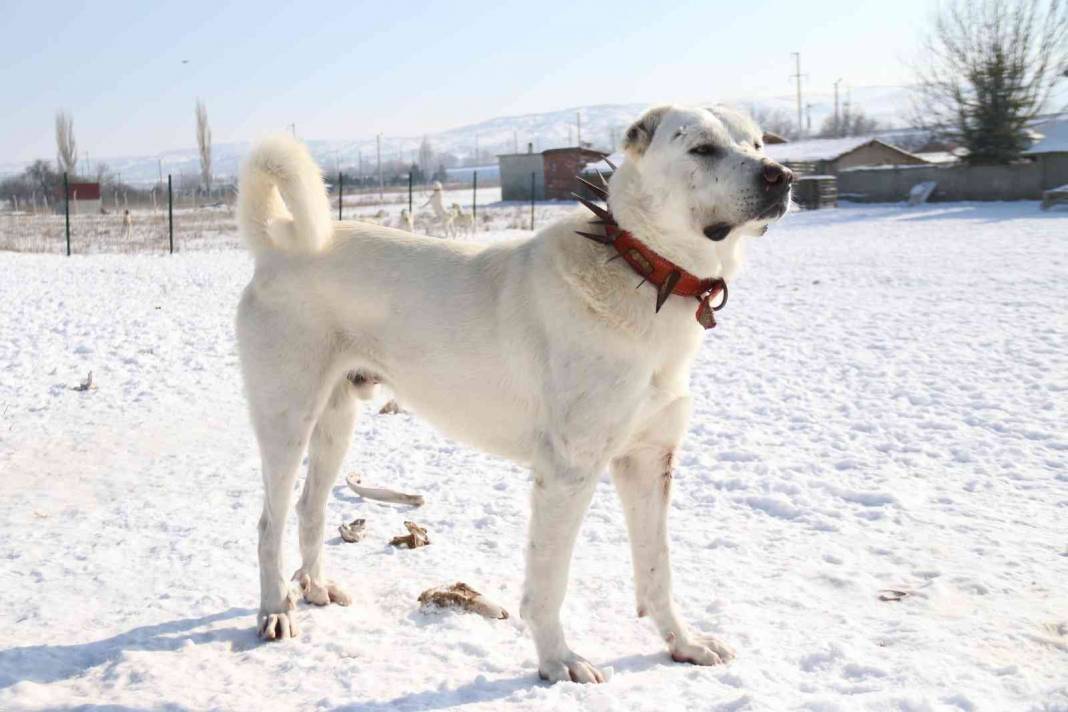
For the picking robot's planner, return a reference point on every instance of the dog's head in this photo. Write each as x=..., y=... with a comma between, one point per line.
x=695, y=182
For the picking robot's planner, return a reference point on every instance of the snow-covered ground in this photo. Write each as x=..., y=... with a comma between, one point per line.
x=881, y=407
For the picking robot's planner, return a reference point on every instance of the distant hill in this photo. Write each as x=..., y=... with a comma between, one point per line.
x=600, y=125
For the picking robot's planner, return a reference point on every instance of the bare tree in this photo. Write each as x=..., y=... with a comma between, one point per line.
x=426, y=156
x=852, y=122
x=204, y=145
x=104, y=174
x=66, y=147
x=777, y=121
x=988, y=68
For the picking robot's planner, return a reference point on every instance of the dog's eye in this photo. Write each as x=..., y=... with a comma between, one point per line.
x=705, y=149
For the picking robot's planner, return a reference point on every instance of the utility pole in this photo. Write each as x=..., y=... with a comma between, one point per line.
x=381, y=185
x=837, y=120
x=293, y=130
x=797, y=75
x=578, y=125
x=66, y=208
x=846, y=108
x=170, y=213
x=808, y=119
x=476, y=151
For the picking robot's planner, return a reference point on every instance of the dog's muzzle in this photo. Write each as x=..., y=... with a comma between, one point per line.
x=775, y=181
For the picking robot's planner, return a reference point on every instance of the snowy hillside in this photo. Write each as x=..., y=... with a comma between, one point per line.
x=600, y=124
x=881, y=408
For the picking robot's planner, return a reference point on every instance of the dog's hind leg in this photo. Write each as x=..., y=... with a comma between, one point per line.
x=643, y=479
x=329, y=442
x=286, y=389
x=283, y=437
x=560, y=497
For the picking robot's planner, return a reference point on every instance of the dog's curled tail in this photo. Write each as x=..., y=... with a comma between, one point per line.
x=282, y=202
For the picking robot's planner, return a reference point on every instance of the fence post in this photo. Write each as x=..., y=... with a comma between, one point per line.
x=532, y=200
x=66, y=208
x=340, y=192
x=474, y=201
x=410, y=195
x=170, y=212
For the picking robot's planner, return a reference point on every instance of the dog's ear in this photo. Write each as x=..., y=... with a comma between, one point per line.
x=640, y=134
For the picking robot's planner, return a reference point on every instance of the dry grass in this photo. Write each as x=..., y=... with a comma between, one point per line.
x=194, y=228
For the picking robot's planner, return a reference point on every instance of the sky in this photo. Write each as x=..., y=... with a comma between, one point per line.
x=130, y=72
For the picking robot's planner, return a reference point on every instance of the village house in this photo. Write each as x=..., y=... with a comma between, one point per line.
x=828, y=156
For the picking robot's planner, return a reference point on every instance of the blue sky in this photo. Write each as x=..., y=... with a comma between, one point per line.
x=353, y=69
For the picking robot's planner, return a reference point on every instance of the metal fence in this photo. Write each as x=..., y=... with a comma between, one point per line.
x=166, y=219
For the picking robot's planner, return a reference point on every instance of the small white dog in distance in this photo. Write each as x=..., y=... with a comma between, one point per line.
x=407, y=221
x=557, y=360
x=462, y=223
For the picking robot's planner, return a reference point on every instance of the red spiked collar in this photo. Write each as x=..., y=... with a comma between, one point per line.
x=662, y=273
x=669, y=278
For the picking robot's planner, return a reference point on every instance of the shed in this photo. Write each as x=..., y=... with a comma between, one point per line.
x=516, y=171
x=552, y=172
x=561, y=167
x=84, y=197
x=830, y=155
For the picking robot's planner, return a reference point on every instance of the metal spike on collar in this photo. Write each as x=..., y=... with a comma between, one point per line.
x=604, y=181
x=596, y=189
x=602, y=239
x=666, y=288
x=596, y=209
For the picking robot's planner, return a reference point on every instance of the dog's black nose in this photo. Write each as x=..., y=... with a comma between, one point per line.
x=774, y=174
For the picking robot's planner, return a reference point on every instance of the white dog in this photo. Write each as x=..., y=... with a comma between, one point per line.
x=407, y=221
x=558, y=361
x=442, y=217
x=462, y=223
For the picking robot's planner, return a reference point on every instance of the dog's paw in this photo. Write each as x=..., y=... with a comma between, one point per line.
x=277, y=626
x=322, y=593
x=699, y=650
x=573, y=668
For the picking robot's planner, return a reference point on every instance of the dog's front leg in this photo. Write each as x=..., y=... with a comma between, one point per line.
x=560, y=498
x=643, y=479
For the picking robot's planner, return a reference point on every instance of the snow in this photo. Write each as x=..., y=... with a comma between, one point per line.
x=881, y=407
x=1054, y=138
x=939, y=156
x=816, y=149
